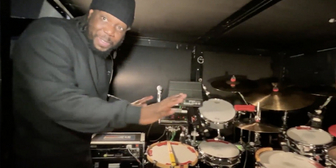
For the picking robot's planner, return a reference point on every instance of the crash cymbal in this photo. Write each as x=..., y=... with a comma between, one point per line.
x=251, y=125
x=280, y=100
x=233, y=83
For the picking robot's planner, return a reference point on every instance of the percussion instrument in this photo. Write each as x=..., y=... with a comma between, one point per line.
x=233, y=83
x=280, y=100
x=308, y=141
x=219, y=153
x=331, y=157
x=160, y=154
x=269, y=158
x=217, y=113
x=251, y=125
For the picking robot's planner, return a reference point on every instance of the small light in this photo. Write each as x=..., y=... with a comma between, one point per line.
x=332, y=20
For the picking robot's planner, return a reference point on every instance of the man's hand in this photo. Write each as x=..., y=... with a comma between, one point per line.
x=142, y=102
x=152, y=113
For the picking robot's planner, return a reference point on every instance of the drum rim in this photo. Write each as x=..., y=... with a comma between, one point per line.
x=218, y=123
x=306, y=144
x=168, y=166
x=200, y=151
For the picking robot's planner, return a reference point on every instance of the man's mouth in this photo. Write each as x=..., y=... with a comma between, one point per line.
x=104, y=43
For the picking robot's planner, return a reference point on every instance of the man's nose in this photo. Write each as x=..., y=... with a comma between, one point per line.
x=110, y=30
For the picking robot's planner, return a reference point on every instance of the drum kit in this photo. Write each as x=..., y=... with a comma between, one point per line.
x=304, y=145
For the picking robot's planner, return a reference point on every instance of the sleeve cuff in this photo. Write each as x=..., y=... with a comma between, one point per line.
x=133, y=114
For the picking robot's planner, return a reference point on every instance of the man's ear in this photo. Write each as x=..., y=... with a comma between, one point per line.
x=90, y=13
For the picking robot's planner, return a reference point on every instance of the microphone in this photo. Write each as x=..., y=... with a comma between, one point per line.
x=159, y=93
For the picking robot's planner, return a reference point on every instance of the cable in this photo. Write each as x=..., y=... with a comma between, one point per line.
x=160, y=136
x=173, y=135
x=134, y=156
x=149, y=130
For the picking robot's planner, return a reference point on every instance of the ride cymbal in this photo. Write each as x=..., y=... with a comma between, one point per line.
x=280, y=100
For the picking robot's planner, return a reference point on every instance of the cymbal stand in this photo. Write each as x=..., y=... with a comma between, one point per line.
x=243, y=98
x=250, y=118
x=184, y=134
x=316, y=118
x=284, y=121
x=252, y=146
x=194, y=134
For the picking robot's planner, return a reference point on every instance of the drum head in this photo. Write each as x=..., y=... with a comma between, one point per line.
x=184, y=154
x=309, y=135
x=220, y=149
x=281, y=159
x=217, y=110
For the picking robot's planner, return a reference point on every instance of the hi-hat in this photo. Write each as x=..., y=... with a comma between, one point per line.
x=280, y=100
x=233, y=84
x=251, y=125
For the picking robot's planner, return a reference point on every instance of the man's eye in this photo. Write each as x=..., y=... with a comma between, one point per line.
x=119, y=28
x=104, y=18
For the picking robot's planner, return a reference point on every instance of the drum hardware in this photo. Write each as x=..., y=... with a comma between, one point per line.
x=241, y=109
x=267, y=158
x=308, y=141
x=284, y=121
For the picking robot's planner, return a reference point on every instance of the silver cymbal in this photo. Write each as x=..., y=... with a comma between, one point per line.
x=251, y=125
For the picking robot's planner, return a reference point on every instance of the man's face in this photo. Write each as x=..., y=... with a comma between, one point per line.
x=105, y=30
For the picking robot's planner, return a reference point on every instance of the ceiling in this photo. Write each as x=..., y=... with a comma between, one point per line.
x=279, y=25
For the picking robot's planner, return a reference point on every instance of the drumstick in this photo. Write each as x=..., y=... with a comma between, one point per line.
x=171, y=154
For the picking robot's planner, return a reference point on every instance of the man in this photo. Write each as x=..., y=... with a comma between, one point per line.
x=61, y=83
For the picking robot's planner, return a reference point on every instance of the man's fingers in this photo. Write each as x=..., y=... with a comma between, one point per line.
x=145, y=99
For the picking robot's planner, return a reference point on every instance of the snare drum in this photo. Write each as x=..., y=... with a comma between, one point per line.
x=185, y=155
x=331, y=157
x=219, y=153
x=217, y=113
x=308, y=141
x=269, y=158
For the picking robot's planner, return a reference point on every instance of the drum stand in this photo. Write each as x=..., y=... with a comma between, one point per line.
x=219, y=137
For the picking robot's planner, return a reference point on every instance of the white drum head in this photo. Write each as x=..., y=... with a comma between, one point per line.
x=309, y=135
x=220, y=149
x=217, y=110
x=183, y=153
x=281, y=159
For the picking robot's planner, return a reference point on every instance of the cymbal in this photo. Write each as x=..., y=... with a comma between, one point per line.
x=280, y=100
x=251, y=125
x=233, y=83
x=321, y=90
